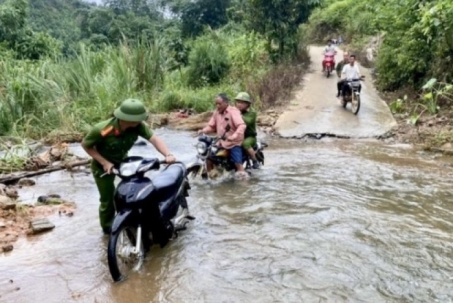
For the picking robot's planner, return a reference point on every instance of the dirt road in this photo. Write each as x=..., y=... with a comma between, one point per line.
x=315, y=109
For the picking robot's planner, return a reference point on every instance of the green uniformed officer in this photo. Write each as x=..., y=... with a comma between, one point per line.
x=243, y=103
x=108, y=142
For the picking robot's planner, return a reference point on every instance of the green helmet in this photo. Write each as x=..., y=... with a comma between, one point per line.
x=243, y=96
x=131, y=110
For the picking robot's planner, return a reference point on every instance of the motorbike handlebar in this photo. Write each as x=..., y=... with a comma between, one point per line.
x=116, y=170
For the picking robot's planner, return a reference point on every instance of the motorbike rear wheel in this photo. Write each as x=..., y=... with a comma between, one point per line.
x=328, y=72
x=122, y=256
x=355, y=104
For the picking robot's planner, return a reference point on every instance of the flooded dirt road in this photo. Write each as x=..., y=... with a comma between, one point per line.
x=327, y=221
x=316, y=110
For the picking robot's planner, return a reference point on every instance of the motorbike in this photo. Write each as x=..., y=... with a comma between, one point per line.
x=148, y=211
x=352, y=95
x=329, y=64
x=208, y=149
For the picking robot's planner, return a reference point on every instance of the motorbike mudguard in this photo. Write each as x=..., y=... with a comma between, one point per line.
x=195, y=168
x=120, y=218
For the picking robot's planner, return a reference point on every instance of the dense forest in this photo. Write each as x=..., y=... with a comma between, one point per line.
x=66, y=64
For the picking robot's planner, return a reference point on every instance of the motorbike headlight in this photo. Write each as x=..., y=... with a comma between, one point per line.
x=201, y=148
x=129, y=169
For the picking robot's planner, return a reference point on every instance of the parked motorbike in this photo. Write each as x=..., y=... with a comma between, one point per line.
x=352, y=95
x=208, y=149
x=329, y=64
x=148, y=211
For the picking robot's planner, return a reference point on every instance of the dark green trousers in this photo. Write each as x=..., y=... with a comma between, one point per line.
x=106, y=188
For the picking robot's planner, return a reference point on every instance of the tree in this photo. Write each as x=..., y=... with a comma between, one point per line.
x=138, y=7
x=18, y=36
x=278, y=21
x=198, y=14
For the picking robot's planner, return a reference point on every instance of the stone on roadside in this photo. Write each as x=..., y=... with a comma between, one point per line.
x=265, y=120
x=158, y=120
x=6, y=203
x=2, y=224
x=26, y=182
x=41, y=225
x=7, y=248
x=11, y=192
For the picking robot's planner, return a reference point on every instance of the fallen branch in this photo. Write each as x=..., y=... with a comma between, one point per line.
x=14, y=177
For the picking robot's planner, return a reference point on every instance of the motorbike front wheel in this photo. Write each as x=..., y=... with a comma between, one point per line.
x=355, y=103
x=123, y=255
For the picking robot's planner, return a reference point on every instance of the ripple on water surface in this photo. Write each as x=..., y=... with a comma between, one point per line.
x=324, y=222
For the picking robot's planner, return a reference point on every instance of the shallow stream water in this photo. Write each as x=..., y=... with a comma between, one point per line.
x=324, y=221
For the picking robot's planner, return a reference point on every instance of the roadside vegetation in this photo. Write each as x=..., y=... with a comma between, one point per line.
x=412, y=42
x=65, y=65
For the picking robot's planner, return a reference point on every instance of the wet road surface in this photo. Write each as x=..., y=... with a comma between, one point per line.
x=316, y=110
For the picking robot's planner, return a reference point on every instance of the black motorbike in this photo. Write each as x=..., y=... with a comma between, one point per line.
x=352, y=94
x=149, y=211
x=208, y=149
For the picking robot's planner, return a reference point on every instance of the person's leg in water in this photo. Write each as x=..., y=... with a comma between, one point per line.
x=106, y=189
x=248, y=145
x=236, y=157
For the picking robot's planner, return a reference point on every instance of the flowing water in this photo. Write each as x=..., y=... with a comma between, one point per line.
x=326, y=221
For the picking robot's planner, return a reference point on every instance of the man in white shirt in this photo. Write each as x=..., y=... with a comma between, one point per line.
x=350, y=71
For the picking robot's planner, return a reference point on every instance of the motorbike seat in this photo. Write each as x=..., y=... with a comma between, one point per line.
x=168, y=182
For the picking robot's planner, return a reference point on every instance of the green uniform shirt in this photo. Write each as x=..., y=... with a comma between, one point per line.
x=112, y=143
x=340, y=65
x=249, y=118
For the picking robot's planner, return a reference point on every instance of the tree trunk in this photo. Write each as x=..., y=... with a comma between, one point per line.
x=14, y=177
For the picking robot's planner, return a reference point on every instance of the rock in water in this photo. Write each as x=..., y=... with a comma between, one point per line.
x=41, y=225
x=50, y=200
x=7, y=248
x=7, y=203
x=26, y=182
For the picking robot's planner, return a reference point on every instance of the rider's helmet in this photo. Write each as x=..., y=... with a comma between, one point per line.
x=243, y=96
x=131, y=110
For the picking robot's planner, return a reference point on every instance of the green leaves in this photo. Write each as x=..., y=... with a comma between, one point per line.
x=278, y=21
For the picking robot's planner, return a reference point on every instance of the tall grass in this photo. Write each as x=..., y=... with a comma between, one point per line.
x=48, y=97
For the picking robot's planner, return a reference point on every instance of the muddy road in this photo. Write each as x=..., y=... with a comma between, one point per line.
x=316, y=110
x=324, y=221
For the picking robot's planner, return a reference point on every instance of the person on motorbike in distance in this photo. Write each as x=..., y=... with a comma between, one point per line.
x=329, y=49
x=350, y=71
x=108, y=143
x=243, y=103
x=339, y=69
x=223, y=116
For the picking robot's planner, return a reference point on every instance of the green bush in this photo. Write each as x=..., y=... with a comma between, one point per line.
x=208, y=61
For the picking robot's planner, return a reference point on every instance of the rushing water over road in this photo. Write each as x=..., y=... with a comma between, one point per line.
x=338, y=221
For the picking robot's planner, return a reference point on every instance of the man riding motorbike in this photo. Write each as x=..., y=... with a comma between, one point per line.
x=339, y=69
x=233, y=138
x=330, y=51
x=243, y=103
x=350, y=71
